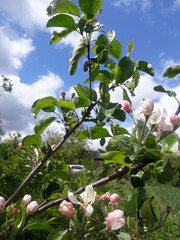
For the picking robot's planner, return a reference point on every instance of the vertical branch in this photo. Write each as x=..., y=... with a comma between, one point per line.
x=89, y=62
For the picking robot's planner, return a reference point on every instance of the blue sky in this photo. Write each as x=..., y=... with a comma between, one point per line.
x=38, y=69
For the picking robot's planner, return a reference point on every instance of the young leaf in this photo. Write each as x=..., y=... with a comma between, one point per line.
x=90, y=7
x=125, y=70
x=57, y=36
x=130, y=48
x=145, y=67
x=42, y=103
x=159, y=88
x=171, y=72
x=84, y=92
x=125, y=96
x=104, y=92
x=147, y=212
x=34, y=140
x=79, y=51
x=63, y=6
x=114, y=157
x=43, y=124
x=81, y=102
x=115, y=49
x=62, y=20
x=65, y=104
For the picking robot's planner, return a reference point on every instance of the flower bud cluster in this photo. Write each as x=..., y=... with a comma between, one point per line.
x=31, y=207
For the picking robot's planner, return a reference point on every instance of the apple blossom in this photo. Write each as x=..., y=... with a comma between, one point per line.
x=126, y=106
x=115, y=220
x=87, y=199
x=32, y=207
x=2, y=203
x=147, y=106
x=26, y=199
x=53, y=147
x=66, y=209
x=114, y=198
x=20, y=146
x=175, y=120
x=158, y=117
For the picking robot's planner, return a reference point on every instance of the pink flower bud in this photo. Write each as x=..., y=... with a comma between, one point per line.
x=26, y=199
x=15, y=211
x=106, y=196
x=98, y=198
x=2, y=203
x=119, y=106
x=114, y=198
x=175, y=120
x=53, y=147
x=115, y=220
x=62, y=96
x=127, y=106
x=20, y=146
x=147, y=106
x=164, y=127
x=72, y=95
x=32, y=207
x=66, y=209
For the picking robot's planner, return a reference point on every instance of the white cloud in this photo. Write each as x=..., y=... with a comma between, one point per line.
x=16, y=106
x=128, y=5
x=28, y=14
x=14, y=50
x=176, y=4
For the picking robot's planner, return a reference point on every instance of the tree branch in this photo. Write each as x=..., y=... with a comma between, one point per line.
x=116, y=175
x=50, y=153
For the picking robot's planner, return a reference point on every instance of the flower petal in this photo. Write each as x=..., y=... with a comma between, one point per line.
x=88, y=210
x=72, y=198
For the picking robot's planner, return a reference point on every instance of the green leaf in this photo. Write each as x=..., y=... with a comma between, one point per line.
x=115, y=49
x=170, y=143
x=34, y=140
x=104, y=92
x=59, y=174
x=65, y=104
x=62, y=20
x=84, y=92
x=79, y=51
x=102, y=41
x=119, y=115
x=124, y=236
x=83, y=135
x=125, y=96
x=171, y=72
x=90, y=7
x=38, y=226
x=166, y=175
x=43, y=124
x=58, y=36
x=106, y=110
x=125, y=70
x=81, y=102
x=159, y=88
x=59, y=235
x=130, y=48
x=147, y=212
x=137, y=182
x=98, y=132
x=63, y=6
x=145, y=67
x=42, y=104
x=111, y=65
x=114, y=157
